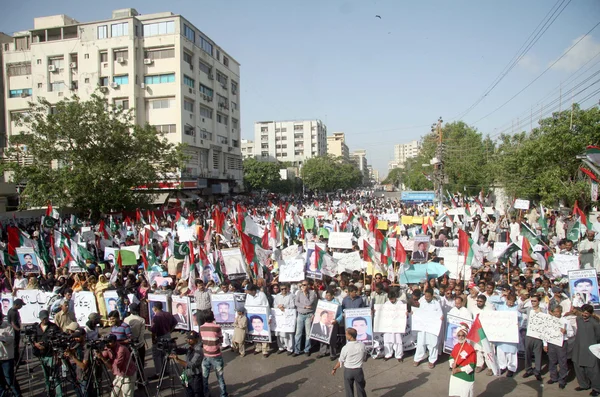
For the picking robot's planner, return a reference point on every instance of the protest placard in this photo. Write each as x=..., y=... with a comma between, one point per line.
x=361, y=321
x=223, y=307
x=180, y=308
x=283, y=320
x=452, y=327
x=545, y=327
x=348, y=262
x=521, y=204
x=393, y=218
x=499, y=248
x=409, y=339
x=258, y=324
x=291, y=252
x=321, y=327
x=291, y=270
x=186, y=234
x=451, y=260
x=390, y=318
x=427, y=321
x=7, y=302
x=340, y=240
x=152, y=300
x=234, y=264
x=311, y=267
x=583, y=286
x=382, y=225
x=85, y=304
x=562, y=263
x=500, y=326
x=28, y=260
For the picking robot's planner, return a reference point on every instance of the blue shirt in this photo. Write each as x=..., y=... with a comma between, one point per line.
x=338, y=314
x=122, y=331
x=349, y=303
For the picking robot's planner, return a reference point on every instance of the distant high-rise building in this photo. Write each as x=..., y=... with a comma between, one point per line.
x=336, y=145
x=295, y=140
x=248, y=149
x=405, y=151
x=360, y=159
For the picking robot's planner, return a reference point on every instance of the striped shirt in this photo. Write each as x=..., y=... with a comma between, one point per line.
x=122, y=331
x=211, y=339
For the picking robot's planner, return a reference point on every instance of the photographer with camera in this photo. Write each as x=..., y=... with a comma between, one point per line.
x=138, y=328
x=116, y=357
x=42, y=348
x=163, y=324
x=192, y=375
x=14, y=320
x=7, y=358
x=80, y=355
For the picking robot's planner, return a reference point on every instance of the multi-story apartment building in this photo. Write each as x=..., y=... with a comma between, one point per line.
x=248, y=149
x=173, y=76
x=336, y=145
x=294, y=141
x=360, y=158
x=405, y=151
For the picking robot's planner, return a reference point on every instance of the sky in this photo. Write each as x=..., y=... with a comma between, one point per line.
x=383, y=81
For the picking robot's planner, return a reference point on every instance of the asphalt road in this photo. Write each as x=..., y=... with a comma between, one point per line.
x=282, y=375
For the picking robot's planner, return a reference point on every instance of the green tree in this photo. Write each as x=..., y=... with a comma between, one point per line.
x=394, y=177
x=327, y=173
x=260, y=174
x=542, y=165
x=89, y=155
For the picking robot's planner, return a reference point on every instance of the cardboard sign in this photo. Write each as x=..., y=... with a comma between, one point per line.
x=521, y=204
x=321, y=326
x=258, y=324
x=545, y=327
x=292, y=270
x=500, y=326
x=426, y=321
x=283, y=321
x=340, y=240
x=390, y=318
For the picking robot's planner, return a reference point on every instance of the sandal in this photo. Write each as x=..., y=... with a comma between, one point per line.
x=431, y=366
x=416, y=364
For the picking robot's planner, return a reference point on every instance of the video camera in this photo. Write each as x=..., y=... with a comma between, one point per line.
x=30, y=332
x=166, y=344
x=98, y=344
x=60, y=342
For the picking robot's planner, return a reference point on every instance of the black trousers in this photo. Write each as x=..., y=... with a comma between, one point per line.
x=16, y=346
x=533, y=346
x=195, y=387
x=354, y=376
x=332, y=346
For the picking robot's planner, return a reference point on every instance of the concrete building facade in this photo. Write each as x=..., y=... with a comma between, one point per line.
x=293, y=140
x=360, y=159
x=336, y=145
x=248, y=149
x=174, y=77
x=405, y=151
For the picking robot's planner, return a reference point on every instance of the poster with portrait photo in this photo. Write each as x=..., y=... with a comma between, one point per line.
x=153, y=299
x=109, y=255
x=223, y=307
x=420, y=249
x=362, y=322
x=452, y=327
x=180, y=308
x=583, y=286
x=321, y=327
x=28, y=260
x=234, y=264
x=209, y=274
x=258, y=324
x=240, y=300
x=110, y=300
x=311, y=267
x=7, y=301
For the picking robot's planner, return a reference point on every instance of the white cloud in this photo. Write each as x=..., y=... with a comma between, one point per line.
x=529, y=63
x=579, y=55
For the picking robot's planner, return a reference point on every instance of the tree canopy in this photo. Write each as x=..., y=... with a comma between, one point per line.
x=328, y=173
x=89, y=155
x=261, y=174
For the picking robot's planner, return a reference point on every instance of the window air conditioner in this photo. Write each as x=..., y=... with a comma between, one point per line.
x=104, y=89
x=114, y=84
x=148, y=61
x=73, y=65
x=210, y=76
x=143, y=86
x=120, y=59
x=51, y=68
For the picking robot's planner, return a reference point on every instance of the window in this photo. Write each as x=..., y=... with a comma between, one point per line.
x=18, y=69
x=234, y=123
x=21, y=92
x=206, y=112
x=121, y=54
x=119, y=29
x=86, y=80
x=86, y=56
x=234, y=87
x=40, y=85
x=206, y=91
x=155, y=29
x=22, y=43
x=160, y=78
x=264, y=129
x=233, y=105
x=123, y=79
x=166, y=128
x=225, y=61
x=189, y=33
x=164, y=103
x=222, y=139
x=188, y=105
x=221, y=78
x=38, y=61
x=160, y=54
x=189, y=130
x=218, y=55
x=103, y=81
x=283, y=129
x=58, y=63
x=123, y=103
x=298, y=128
x=57, y=86
x=188, y=58
x=204, y=67
x=103, y=32
x=104, y=57
x=206, y=45
x=188, y=81
x=221, y=118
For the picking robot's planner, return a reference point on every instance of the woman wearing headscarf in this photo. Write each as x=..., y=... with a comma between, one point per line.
x=101, y=286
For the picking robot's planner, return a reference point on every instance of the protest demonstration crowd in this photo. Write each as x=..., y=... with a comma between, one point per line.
x=347, y=277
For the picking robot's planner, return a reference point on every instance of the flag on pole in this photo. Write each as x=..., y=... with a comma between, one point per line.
x=477, y=335
x=400, y=255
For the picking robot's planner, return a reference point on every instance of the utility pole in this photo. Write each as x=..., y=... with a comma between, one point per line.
x=438, y=163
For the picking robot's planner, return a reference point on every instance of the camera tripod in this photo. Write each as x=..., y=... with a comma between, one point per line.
x=97, y=372
x=173, y=368
x=24, y=355
x=62, y=374
x=138, y=361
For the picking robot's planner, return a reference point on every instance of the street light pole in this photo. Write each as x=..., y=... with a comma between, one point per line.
x=439, y=176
